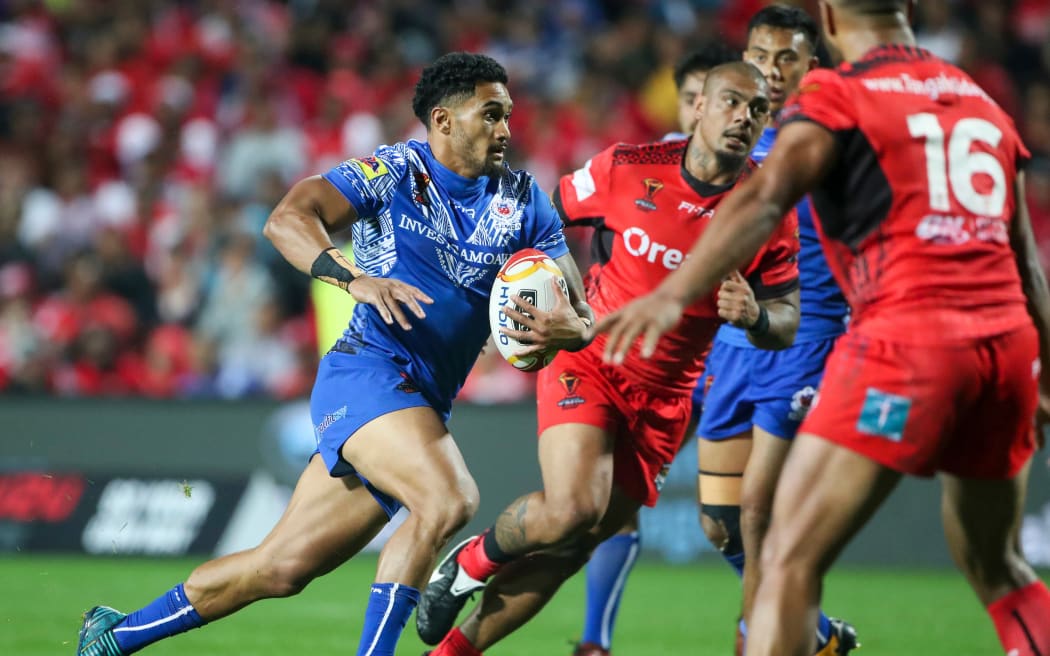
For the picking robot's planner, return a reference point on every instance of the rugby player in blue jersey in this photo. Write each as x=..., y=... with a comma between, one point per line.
x=432, y=223
x=754, y=400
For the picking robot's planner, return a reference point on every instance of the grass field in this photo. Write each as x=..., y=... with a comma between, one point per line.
x=667, y=610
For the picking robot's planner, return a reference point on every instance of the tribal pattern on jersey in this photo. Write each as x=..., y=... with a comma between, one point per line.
x=423, y=224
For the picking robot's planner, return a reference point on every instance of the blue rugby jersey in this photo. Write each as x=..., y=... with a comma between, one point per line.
x=823, y=307
x=425, y=225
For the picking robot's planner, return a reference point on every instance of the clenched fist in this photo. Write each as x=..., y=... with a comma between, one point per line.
x=736, y=302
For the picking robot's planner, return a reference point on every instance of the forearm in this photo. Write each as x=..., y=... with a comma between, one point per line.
x=783, y=321
x=299, y=238
x=742, y=224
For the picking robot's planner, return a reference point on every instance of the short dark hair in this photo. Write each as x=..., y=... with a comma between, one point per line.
x=701, y=60
x=453, y=74
x=786, y=17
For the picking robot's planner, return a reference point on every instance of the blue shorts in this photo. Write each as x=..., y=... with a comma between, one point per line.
x=351, y=390
x=744, y=387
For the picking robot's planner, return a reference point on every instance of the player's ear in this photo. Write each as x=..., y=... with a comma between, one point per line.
x=814, y=62
x=910, y=11
x=441, y=119
x=698, y=109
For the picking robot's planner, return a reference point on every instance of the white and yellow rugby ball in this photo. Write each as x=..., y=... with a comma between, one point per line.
x=528, y=274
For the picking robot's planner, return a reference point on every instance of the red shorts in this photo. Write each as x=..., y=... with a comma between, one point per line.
x=965, y=408
x=647, y=423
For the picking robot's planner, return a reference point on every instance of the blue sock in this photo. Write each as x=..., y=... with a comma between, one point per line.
x=823, y=631
x=168, y=615
x=606, y=576
x=736, y=561
x=389, y=606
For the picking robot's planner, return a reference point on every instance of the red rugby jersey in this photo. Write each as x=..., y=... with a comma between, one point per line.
x=648, y=210
x=915, y=214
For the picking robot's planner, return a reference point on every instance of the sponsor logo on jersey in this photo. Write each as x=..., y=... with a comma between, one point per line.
x=639, y=244
x=570, y=382
x=372, y=167
x=802, y=402
x=652, y=186
x=958, y=230
x=406, y=385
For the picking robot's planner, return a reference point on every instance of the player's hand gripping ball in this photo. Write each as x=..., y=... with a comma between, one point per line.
x=527, y=274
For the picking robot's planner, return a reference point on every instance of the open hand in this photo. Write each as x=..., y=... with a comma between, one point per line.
x=387, y=296
x=649, y=316
x=559, y=329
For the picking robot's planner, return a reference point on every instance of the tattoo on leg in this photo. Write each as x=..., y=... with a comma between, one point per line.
x=510, y=528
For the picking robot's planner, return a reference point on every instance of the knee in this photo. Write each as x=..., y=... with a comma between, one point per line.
x=442, y=516
x=722, y=527
x=573, y=518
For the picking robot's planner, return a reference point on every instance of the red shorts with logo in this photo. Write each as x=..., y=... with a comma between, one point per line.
x=647, y=423
x=965, y=408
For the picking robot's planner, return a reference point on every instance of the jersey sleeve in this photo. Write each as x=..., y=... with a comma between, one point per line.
x=370, y=182
x=545, y=228
x=774, y=271
x=582, y=196
x=822, y=98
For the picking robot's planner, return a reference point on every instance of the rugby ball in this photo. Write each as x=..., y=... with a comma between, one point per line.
x=527, y=274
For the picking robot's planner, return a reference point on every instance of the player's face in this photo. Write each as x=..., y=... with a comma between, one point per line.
x=688, y=94
x=480, y=131
x=783, y=56
x=734, y=111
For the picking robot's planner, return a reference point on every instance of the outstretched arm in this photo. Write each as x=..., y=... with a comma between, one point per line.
x=801, y=157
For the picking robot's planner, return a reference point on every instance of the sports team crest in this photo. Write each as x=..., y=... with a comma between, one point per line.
x=652, y=186
x=801, y=402
x=570, y=382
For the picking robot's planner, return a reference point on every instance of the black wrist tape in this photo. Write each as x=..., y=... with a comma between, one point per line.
x=761, y=325
x=326, y=266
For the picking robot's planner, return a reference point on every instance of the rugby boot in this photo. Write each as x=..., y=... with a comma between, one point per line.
x=96, y=634
x=444, y=596
x=843, y=639
x=590, y=649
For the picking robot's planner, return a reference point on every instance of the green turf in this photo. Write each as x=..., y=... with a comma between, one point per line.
x=667, y=610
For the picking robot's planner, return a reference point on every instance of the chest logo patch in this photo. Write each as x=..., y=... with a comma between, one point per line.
x=652, y=186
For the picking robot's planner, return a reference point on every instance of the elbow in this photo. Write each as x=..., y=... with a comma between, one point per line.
x=276, y=225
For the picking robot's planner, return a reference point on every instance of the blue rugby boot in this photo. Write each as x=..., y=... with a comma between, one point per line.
x=96, y=634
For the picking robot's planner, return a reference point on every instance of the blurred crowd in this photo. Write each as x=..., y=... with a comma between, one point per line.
x=143, y=143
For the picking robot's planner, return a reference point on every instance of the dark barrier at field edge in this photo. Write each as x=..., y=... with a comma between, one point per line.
x=165, y=478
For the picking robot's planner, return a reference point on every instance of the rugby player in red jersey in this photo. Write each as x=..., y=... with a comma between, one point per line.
x=608, y=434
x=916, y=180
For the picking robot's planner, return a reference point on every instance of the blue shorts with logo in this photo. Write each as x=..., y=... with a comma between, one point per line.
x=744, y=387
x=353, y=387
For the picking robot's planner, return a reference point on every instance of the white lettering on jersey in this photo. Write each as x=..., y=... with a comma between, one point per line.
x=583, y=182
x=699, y=211
x=958, y=230
x=639, y=244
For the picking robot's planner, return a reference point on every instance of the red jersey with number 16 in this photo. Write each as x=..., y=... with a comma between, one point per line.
x=648, y=210
x=915, y=215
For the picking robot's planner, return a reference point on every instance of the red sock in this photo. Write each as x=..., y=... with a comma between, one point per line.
x=455, y=644
x=475, y=562
x=1022, y=620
